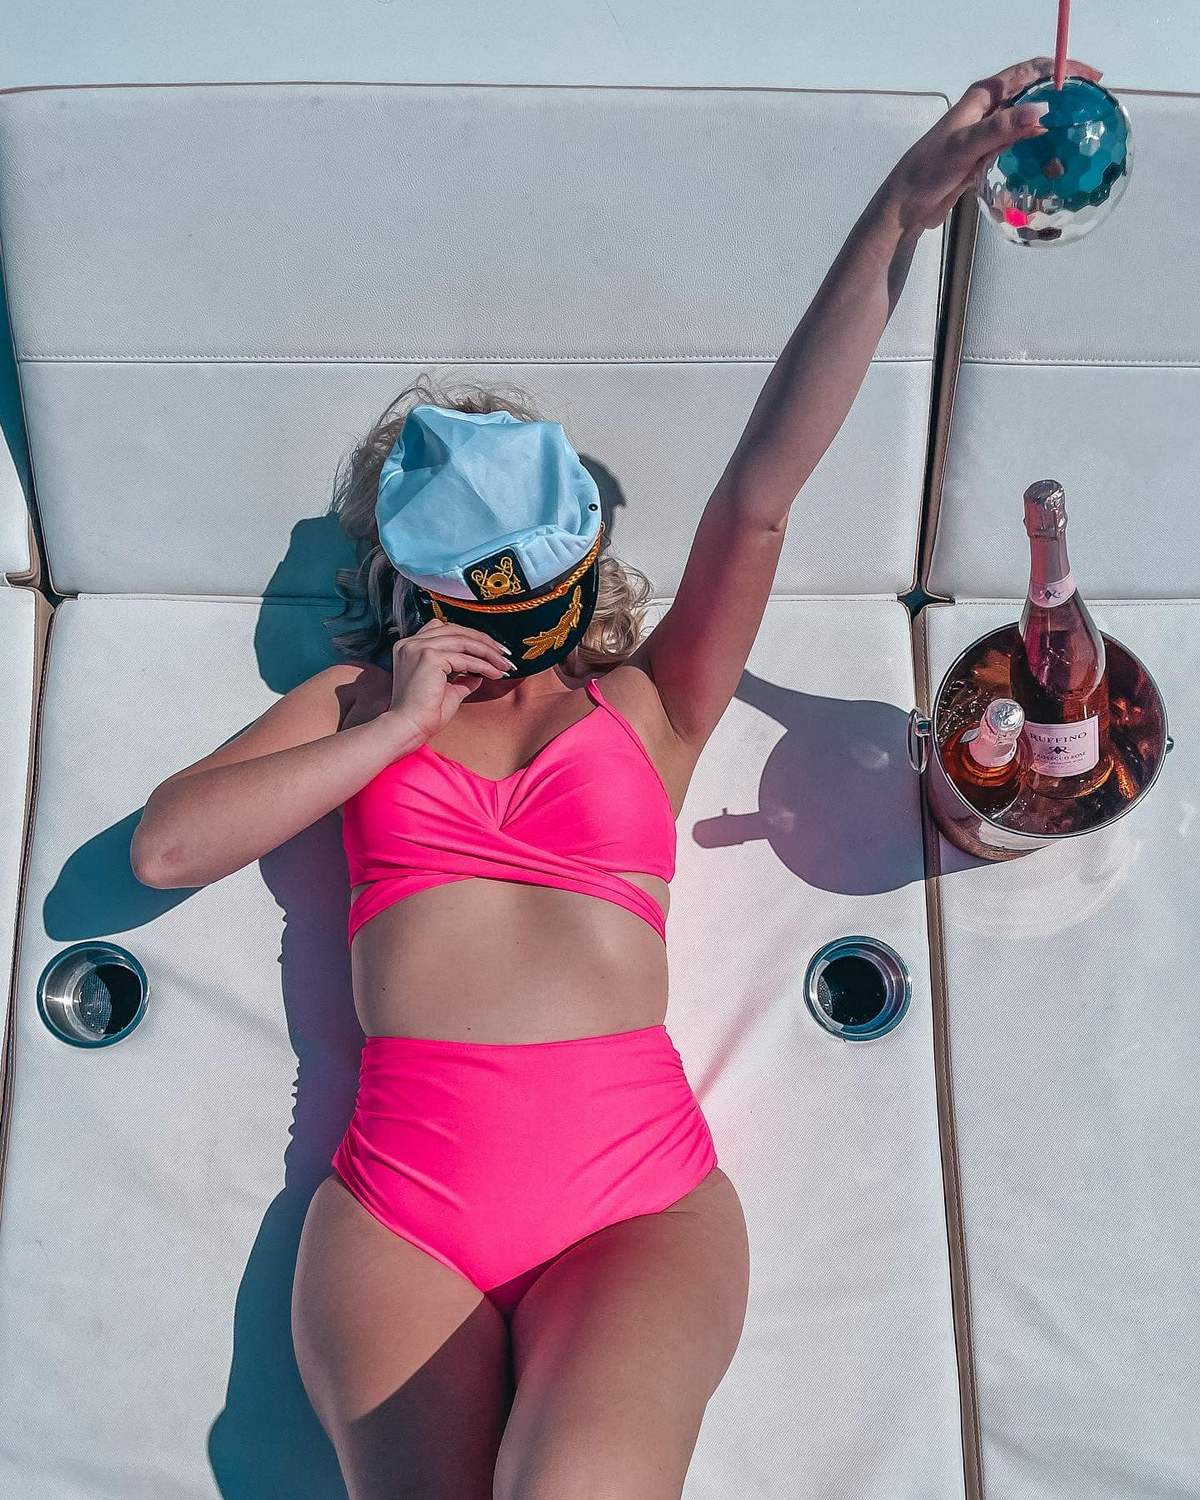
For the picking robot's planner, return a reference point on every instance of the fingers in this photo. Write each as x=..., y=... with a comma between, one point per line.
x=1085, y=70
x=978, y=138
x=991, y=136
x=466, y=663
x=987, y=94
x=448, y=638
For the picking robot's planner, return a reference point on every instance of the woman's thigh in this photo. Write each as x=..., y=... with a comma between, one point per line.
x=407, y=1365
x=617, y=1348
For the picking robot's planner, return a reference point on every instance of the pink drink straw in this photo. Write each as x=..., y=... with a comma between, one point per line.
x=1060, y=49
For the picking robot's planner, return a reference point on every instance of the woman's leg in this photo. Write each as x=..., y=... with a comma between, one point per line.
x=617, y=1348
x=406, y=1363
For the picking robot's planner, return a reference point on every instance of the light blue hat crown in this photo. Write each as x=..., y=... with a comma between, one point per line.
x=458, y=487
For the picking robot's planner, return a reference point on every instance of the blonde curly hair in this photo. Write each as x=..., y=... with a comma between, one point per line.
x=385, y=597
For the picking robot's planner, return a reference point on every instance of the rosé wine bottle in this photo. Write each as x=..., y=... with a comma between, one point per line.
x=987, y=761
x=1059, y=674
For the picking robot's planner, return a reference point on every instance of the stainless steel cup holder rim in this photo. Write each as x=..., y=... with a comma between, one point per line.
x=92, y=993
x=857, y=988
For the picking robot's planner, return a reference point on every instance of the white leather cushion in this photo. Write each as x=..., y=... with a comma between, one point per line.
x=14, y=517
x=1081, y=363
x=801, y=825
x=1075, y=1052
x=215, y=290
x=156, y=1187
x=18, y=623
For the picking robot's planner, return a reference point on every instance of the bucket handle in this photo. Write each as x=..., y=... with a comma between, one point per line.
x=919, y=731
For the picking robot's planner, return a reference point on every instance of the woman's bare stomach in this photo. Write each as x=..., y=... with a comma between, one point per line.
x=488, y=960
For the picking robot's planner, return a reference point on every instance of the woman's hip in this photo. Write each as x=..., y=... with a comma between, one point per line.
x=590, y=1117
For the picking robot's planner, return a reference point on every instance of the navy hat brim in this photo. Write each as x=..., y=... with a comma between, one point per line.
x=540, y=630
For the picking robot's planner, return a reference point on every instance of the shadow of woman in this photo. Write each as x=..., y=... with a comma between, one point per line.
x=267, y=1439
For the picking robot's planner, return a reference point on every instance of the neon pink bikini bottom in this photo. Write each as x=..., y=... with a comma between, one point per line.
x=496, y=1157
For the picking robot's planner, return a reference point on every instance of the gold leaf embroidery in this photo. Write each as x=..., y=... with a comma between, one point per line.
x=556, y=634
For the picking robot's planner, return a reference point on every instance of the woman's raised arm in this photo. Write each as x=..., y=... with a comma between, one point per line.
x=697, y=651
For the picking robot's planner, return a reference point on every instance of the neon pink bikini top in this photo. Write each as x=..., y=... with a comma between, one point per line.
x=566, y=820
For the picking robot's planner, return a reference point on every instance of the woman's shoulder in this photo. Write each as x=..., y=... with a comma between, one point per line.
x=627, y=679
x=630, y=688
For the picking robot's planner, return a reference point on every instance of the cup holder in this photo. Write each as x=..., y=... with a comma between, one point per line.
x=857, y=988
x=92, y=994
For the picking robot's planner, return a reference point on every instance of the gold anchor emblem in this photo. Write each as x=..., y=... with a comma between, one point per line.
x=556, y=634
x=495, y=585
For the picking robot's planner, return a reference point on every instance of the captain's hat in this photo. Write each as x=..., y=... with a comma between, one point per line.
x=498, y=524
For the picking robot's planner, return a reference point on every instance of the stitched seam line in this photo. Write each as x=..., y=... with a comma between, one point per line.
x=1099, y=360
x=445, y=359
x=1118, y=603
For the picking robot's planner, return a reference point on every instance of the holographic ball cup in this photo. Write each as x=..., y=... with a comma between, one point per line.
x=1053, y=188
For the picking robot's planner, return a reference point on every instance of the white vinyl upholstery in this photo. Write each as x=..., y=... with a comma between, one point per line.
x=14, y=519
x=22, y=618
x=213, y=292
x=271, y=270
x=798, y=828
x=18, y=672
x=1082, y=363
x=174, y=1167
x=1072, y=1006
x=1070, y=973
x=155, y=1188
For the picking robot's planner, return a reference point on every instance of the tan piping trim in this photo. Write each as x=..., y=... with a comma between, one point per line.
x=43, y=618
x=32, y=577
x=628, y=88
x=931, y=423
x=960, y=1286
x=964, y=224
x=373, y=83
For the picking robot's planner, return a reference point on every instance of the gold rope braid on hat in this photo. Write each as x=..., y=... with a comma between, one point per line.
x=528, y=603
x=555, y=635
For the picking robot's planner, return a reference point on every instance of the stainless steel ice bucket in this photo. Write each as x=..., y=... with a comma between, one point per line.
x=1137, y=733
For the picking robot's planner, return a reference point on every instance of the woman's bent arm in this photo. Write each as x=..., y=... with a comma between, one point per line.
x=202, y=826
